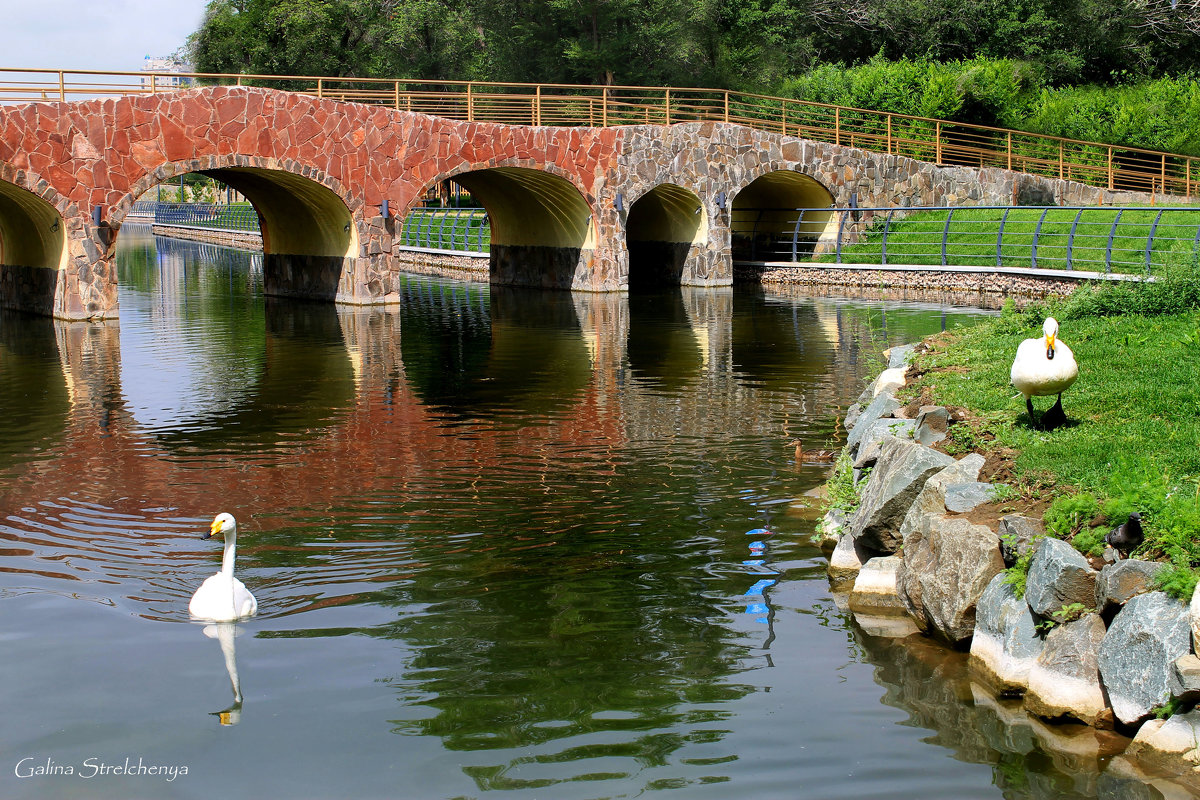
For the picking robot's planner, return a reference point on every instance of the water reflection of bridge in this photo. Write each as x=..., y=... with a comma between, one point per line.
x=331, y=379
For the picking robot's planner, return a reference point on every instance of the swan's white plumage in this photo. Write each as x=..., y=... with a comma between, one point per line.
x=222, y=597
x=1036, y=375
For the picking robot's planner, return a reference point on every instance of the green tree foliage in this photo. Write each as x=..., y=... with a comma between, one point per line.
x=1012, y=63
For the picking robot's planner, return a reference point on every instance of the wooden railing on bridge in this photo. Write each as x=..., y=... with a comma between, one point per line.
x=1114, y=167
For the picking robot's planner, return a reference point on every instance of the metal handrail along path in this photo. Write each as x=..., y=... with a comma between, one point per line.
x=1128, y=240
x=1110, y=166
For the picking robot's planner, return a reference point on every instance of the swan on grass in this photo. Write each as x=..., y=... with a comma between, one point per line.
x=1044, y=367
x=223, y=598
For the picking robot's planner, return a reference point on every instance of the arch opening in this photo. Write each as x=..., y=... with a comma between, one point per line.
x=309, y=236
x=33, y=250
x=663, y=227
x=766, y=222
x=308, y=233
x=542, y=231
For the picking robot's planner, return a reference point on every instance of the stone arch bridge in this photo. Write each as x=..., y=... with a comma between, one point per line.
x=591, y=209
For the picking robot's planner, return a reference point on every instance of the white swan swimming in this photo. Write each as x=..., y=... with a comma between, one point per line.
x=1044, y=367
x=223, y=598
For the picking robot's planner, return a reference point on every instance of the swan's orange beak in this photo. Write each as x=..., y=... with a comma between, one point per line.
x=1050, y=346
x=212, y=530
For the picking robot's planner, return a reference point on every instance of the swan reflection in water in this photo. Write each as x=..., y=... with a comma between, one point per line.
x=225, y=632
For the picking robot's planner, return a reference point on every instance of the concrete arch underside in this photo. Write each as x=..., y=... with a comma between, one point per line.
x=667, y=227
x=765, y=215
x=542, y=228
x=33, y=250
x=310, y=237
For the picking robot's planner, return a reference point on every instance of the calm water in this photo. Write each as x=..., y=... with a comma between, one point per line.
x=499, y=543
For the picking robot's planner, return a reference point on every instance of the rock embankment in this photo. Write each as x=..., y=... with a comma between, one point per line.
x=1094, y=646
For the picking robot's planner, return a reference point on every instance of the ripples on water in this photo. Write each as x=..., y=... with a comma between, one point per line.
x=498, y=540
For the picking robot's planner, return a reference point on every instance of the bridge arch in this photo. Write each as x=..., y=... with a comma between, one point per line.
x=763, y=215
x=665, y=226
x=310, y=234
x=34, y=253
x=543, y=232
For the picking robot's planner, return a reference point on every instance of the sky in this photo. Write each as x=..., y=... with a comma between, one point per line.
x=111, y=35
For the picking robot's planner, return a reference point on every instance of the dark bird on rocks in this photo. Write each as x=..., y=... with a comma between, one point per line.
x=1127, y=537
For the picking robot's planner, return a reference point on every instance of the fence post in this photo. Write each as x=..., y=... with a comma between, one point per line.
x=946, y=235
x=887, y=223
x=1164, y=173
x=470, y=104
x=442, y=231
x=1110, y=168
x=153, y=83
x=796, y=236
x=1000, y=237
x=1037, y=233
x=889, y=137
x=1150, y=238
x=937, y=146
x=396, y=91
x=62, y=86
x=320, y=87
x=454, y=230
x=727, y=105
x=837, y=126
x=667, y=103
x=537, y=106
x=1111, y=233
x=604, y=107
x=1060, y=159
x=1009, y=147
x=1071, y=237
x=842, y=224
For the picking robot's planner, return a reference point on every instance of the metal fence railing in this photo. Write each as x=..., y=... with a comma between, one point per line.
x=1111, y=166
x=458, y=229
x=236, y=217
x=465, y=230
x=1100, y=238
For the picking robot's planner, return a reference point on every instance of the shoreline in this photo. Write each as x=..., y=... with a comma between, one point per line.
x=923, y=557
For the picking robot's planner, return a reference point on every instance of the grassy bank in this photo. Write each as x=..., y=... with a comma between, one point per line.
x=1133, y=437
x=972, y=237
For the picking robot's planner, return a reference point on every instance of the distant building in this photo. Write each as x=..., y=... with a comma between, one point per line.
x=161, y=64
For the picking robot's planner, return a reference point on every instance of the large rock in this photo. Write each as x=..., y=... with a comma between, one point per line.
x=1138, y=654
x=1179, y=735
x=899, y=475
x=845, y=561
x=933, y=423
x=1185, y=678
x=947, y=565
x=1058, y=576
x=1018, y=534
x=890, y=380
x=932, y=498
x=1119, y=583
x=964, y=497
x=1005, y=645
x=1194, y=615
x=1065, y=678
x=874, y=591
x=882, y=406
x=830, y=529
x=873, y=436
x=898, y=356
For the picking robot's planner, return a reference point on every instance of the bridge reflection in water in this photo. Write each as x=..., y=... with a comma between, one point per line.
x=521, y=515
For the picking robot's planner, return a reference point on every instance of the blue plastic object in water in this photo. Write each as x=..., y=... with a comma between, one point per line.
x=758, y=532
x=759, y=587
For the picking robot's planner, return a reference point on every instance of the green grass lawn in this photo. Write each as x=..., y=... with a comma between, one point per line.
x=972, y=236
x=1133, y=437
